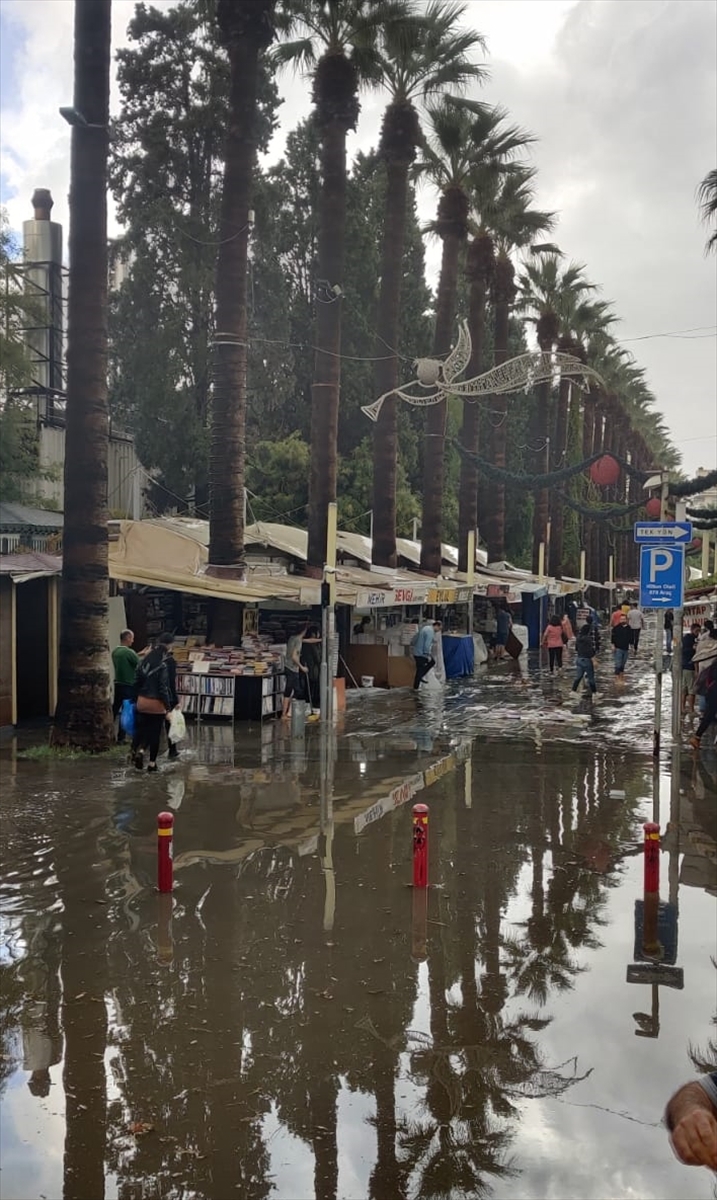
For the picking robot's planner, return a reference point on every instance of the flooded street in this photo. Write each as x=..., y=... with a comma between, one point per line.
x=293, y=1022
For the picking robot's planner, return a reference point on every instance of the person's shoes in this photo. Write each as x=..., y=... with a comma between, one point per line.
x=173, y=752
x=152, y=766
x=138, y=760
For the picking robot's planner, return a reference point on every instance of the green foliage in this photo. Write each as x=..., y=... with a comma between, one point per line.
x=17, y=310
x=277, y=478
x=165, y=174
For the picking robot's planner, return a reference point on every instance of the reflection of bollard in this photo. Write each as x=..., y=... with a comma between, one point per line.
x=419, y=925
x=652, y=856
x=420, y=845
x=651, y=944
x=165, y=944
x=165, y=831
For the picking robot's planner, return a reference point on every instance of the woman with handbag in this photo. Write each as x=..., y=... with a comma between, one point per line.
x=554, y=638
x=154, y=701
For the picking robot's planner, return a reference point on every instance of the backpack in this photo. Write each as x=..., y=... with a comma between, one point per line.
x=706, y=680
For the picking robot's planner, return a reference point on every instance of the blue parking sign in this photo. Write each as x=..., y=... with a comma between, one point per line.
x=662, y=576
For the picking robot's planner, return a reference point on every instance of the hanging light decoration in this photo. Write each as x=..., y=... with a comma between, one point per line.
x=605, y=472
x=652, y=508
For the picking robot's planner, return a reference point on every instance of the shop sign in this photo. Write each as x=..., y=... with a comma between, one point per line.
x=378, y=599
x=464, y=595
x=407, y=595
x=436, y=595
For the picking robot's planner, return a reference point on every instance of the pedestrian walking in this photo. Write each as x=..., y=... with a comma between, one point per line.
x=125, y=661
x=705, y=667
x=567, y=628
x=423, y=650
x=554, y=637
x=621, y=639
x=294, y=669
x=167, y=640
x=504, y=623
x=311, y=658
x=689, y=645
x=669, y=630
x=154, y=701
x=636, y=622
x=585, y=659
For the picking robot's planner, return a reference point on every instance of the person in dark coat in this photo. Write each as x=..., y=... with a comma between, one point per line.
x=621, y=638
x=154, y=701
x=167, y=640
x=584, y=655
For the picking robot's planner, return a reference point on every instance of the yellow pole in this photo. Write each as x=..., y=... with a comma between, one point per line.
x=541, y=560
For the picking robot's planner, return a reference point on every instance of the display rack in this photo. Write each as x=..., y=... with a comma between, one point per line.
x=244, y=683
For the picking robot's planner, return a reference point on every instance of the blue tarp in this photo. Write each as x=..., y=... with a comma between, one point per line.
x=458, y=656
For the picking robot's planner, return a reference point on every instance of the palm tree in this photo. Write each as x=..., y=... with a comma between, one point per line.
x=463, y=135
x=84, y=716
x=503, y=219
x=545, y=292
x=420, y=58
x=707, y=197
x=338, y=41
x=578, y=320
x=246, y=30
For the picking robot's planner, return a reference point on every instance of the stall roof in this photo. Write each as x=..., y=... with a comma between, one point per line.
x=22, y=516
x=289, y=539
x=23, y=567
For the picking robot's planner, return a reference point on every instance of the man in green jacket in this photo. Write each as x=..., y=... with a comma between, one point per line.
x=125, y=661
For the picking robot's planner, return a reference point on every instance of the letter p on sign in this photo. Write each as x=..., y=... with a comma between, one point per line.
x=660, y=561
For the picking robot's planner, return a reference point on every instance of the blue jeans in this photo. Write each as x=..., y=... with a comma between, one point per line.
x=620, y=657
x=584, y=666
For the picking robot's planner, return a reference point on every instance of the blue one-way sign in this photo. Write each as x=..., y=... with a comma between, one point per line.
x=662, y=576
x=663, y=533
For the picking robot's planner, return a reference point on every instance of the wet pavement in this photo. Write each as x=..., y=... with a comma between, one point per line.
x=293, y=1023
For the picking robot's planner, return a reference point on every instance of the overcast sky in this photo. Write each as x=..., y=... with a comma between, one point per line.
x=623, y=99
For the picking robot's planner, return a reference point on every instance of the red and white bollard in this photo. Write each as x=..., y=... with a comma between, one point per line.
x=652, y=856
x=165, y=834
x=420, y=845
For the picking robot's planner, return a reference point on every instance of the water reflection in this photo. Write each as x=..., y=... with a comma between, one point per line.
x=213, y=1043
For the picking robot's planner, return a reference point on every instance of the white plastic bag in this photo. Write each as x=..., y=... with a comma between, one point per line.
x=177, y=726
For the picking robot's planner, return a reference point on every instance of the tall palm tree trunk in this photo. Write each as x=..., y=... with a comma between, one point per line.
x=541, y=495
x=547, y=330
x=452, y=210
x=335, y=95
x=503, y=293
x=246, y=30
x=559, y=460
x=84, y=715
x=385, y=442
x=478, y=269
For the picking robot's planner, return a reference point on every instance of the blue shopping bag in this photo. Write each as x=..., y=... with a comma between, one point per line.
x=128, y=717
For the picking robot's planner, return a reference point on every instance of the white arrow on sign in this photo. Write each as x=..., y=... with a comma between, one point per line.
x=667, y=532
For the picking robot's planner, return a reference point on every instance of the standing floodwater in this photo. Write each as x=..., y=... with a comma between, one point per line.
x=290, y=1024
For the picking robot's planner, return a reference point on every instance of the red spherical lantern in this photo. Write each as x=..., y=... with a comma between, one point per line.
x=652, y=508
x=605, y=471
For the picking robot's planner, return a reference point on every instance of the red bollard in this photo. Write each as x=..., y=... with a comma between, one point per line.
x=652, y=856
x=165, y=833
x=420, y=845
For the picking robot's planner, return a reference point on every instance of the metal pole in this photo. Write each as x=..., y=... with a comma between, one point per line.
x=676, y=665
x=471, y=576
x=659, y=638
